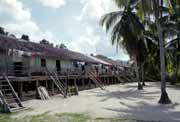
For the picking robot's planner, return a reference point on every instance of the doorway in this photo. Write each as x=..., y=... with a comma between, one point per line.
x=58, y=66
x=43, y=62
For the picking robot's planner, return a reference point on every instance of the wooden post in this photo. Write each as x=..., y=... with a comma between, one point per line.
x=115, y=80
x=89, y=83
x=37, y=85
x=66, y=86
x=46, y=84
x=75, y=84
x=6, y=61
x=20, y=89
x=52, y=86
x=95, y=85
x=112, y=79
x=26, y=87
x=104, y=80
x=108, y=80
x=83, y=86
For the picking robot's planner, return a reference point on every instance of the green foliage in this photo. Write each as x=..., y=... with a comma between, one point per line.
x=65, y=117
x=135, y=29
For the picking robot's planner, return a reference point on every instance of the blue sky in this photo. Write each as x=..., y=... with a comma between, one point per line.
x=72, y=22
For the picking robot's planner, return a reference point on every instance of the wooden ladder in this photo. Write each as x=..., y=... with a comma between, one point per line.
x=9, y=96
x=96, y=80
x=60, y=85
x=119, y=78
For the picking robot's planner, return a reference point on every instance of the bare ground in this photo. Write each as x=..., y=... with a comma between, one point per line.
x=123, y=101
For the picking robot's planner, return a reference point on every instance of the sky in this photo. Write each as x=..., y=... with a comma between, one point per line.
x=76, y=23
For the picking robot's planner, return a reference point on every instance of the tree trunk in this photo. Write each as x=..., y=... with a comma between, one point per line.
x=164, y=99
x=137, y=75
x=142, y=74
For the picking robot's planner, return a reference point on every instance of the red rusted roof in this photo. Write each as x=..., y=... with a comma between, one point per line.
x=43, y=50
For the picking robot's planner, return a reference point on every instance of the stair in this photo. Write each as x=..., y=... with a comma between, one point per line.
x=9, y=96
x=95, y=79
x=60, y=85
x=121, y=80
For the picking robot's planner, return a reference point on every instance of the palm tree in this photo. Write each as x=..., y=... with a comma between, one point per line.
x=126, y=31
x=156, y=9
x=164, y=99
x=144, y=8
x=174, y=44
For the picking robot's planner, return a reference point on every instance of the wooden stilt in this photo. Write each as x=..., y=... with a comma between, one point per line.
x=75, y=84
x=26, y=87
x=52, y=86
x=95, y=85
x=83, y=85
x=37, y=85
x=108, y=80
x=104, y=80
x=89, y=83
x=46, y=84
x=67, y=86
x=112, y=78
x=20, y=89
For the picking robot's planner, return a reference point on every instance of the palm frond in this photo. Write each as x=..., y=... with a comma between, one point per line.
x=108, y=20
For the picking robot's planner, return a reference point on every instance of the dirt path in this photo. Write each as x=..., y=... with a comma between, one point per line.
x=117, y=101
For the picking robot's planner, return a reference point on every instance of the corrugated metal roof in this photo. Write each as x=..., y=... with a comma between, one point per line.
x=14, y=43
x=101, y=61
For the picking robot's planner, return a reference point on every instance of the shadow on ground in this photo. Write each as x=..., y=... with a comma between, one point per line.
x=142, y=104
x=130, y=94
x=145, y=111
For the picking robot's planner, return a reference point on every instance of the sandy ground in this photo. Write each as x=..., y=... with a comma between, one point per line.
x=123, y=101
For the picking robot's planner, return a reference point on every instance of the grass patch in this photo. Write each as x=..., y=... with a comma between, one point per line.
x=65, y=117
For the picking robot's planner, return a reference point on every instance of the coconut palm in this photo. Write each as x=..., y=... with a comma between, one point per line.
x=143, y=8
x=174, y=44
x=164, y=99
x=157, y=9
x=127, y=31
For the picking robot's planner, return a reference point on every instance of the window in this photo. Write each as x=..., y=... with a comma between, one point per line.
x=58, y=65
x=43, y=62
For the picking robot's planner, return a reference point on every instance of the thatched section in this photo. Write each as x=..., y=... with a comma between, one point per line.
x=101, y=61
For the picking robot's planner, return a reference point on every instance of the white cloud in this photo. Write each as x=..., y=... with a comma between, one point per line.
x=93, y=39
x=94, y=9
x=18, y=21
x=86, y=34
x=53, y=3
x=15, y=9
x=87, y=42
